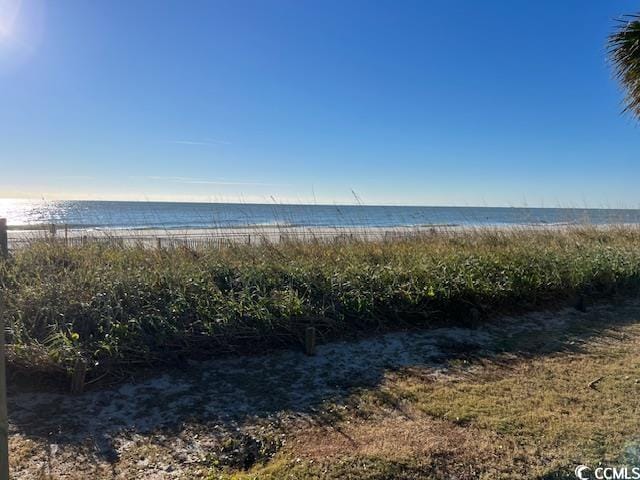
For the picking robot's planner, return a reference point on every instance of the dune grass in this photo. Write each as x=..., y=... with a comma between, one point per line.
x=121, y=308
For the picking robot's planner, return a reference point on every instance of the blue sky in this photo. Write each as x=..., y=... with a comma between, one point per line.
x=402, y=102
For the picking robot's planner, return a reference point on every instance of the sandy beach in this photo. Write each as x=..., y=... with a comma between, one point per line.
x=155, y=237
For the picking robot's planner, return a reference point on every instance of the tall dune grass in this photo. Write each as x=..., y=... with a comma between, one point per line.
x=124, y=307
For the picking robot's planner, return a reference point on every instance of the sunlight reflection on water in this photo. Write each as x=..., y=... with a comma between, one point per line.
x=28, y=212
x=105, y=214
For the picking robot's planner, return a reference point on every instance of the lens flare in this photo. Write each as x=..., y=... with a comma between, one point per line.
x=9, y=12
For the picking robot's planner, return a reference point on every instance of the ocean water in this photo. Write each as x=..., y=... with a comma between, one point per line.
x=166, y=215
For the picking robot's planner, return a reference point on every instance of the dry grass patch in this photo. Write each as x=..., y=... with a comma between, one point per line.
x=41, y=460
x=548, y=403
x=508, y=417
x=394, y=437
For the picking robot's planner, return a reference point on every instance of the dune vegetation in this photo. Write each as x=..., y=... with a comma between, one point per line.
x=123, y=308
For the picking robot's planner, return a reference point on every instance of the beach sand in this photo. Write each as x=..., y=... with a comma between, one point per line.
x=248, y=235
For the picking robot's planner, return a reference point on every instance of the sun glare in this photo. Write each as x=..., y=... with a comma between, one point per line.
x=9, y=12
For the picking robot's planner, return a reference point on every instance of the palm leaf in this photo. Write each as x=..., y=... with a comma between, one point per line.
x=624, y=52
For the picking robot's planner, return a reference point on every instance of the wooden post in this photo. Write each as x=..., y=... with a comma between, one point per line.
x=78, y=376
x=581, y=303
x=4, y=422
x=4, y=242
x=66, y=234
x=159, y=243
x=310, y=341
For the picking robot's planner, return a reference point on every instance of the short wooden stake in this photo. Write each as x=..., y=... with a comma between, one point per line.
x=78, y=376
x=159, y=243
x=310, y=341
x=581, y=303
x=66, y=235
x=4, y=241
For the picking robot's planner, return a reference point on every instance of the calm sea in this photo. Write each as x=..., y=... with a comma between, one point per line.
x=139, y=215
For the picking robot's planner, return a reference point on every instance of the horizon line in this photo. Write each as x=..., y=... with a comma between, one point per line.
x=311, y=204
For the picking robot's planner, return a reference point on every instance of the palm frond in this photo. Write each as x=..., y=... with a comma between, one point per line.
x=624, y=52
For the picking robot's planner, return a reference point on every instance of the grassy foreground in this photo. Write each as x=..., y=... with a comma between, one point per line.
x=527, y=396
x=121, y=308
